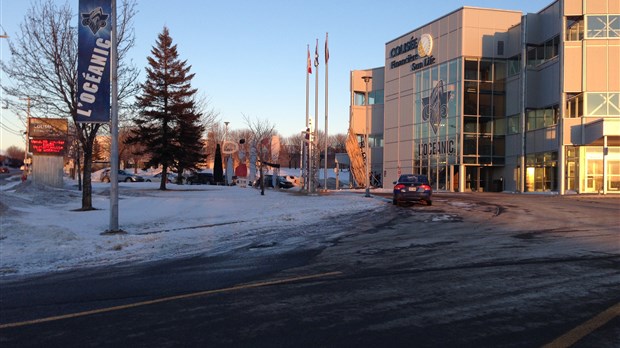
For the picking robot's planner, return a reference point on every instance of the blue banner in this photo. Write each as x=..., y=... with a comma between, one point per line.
x=94, y=49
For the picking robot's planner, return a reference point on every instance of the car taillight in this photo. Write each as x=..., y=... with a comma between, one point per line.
x=399, y=187
x=425, y=187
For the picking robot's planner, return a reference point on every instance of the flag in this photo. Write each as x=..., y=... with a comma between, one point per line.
x=326, y=50
x=309, y=62
x=94, y=49
x=316, y=54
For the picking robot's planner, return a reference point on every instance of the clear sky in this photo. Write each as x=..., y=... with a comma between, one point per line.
x=250, y=56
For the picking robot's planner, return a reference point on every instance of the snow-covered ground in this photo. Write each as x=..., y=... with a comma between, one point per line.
x=42, y=231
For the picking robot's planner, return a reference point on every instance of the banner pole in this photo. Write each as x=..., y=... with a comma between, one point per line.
x=114, y=165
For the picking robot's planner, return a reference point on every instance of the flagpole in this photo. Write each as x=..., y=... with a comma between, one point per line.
x=326, y=102
x=306, y=157
x=316, y=163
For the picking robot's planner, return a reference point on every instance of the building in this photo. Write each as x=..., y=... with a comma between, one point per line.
x=494, y=100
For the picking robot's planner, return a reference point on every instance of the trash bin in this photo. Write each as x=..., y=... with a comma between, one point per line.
x=497, y=185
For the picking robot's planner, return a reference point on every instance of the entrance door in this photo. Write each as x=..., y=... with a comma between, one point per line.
x=594, y=173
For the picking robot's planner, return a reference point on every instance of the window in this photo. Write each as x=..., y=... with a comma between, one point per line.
x=597, y=26
x=471, y=69
x=500, y=48
x=359, y=98
x=514, y=65
x=603, y=104
x=470, y=100
x=603, y=26
x=375, y=97
x=574, y=105
x=486, y=70
x=542, y=118
x=574, y=28
x=539, y=54
x=513, y=126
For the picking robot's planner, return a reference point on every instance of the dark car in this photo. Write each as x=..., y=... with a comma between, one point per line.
x=201, y=179
x=4, y=170
x=412, y=188
x=122, y=176
x=281, y=182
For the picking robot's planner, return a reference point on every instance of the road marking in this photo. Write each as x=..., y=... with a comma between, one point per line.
x=168, y=299
x=574, y=335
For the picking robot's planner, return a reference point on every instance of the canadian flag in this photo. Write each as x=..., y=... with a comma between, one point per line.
x=309, y=62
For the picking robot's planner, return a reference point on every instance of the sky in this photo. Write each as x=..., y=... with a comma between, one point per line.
x=249, y=57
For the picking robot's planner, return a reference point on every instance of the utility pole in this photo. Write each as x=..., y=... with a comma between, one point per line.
x=27, y=133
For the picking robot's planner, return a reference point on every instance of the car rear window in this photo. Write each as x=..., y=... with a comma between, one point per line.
x=413, y=179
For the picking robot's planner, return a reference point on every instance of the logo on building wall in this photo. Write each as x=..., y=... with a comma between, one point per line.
x=435, y=107
x=425, y=45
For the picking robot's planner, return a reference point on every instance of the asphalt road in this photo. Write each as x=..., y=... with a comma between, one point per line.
x=473, y=270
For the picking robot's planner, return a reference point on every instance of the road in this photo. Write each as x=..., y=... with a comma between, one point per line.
x=473, y=270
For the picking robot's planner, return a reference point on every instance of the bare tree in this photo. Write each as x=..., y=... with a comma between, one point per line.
x=291, y=148
x=260, y=130
x=338, y=142
x=15, y=152
x=43, y=67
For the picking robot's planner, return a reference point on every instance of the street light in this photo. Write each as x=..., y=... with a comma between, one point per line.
x=223, y=145
x=367, y=176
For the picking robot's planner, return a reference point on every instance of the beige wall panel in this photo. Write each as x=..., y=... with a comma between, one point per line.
x=357, y=119
x=391, y=114
x=444, y=26
x=614, y=6
x=573, y=7
x=472, y=45
x=596, y=6
x=614, y=66
x=573, y=70
x=441, y=54
x=435, y=30
x=453, y=49
x=391, y=88
x=405, y=154
x=596, y=68
x=405, y=110
x=390, y=135
x=406, y=133
x=471, y=18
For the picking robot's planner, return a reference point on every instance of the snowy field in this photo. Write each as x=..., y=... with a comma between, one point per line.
x=41, y=231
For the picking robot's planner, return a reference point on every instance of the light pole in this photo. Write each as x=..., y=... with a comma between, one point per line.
x=27, y=133
x=223, y=144
x=367, y=176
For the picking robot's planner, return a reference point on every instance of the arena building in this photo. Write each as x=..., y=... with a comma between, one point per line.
x=494, y=100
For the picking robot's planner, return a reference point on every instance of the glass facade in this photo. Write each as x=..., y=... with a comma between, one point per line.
x=437, y=121
x=541, y=172
x=594, y=168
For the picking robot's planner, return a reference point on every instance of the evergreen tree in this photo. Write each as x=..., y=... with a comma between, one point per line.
x=169, y=123
x=218, y=170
